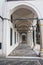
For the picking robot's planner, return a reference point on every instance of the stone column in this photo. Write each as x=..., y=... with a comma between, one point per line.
x=34, y=35
x=34, y=28
x=41, y=38
x=34, y=43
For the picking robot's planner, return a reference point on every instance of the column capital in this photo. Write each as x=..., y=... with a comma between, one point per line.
x=40, y=24
x=41, y=50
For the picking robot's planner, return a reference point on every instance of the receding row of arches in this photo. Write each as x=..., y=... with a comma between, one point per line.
x=26, y=20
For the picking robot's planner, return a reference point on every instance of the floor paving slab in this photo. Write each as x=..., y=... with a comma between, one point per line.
x=21, y=61
x=23, y=50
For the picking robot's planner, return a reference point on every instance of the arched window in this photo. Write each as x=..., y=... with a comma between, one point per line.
x=15, y=37
x=11, y=36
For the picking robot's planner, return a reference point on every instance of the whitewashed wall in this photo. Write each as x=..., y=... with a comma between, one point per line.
x=8, y=47
x=1, y=33
x=1, y=27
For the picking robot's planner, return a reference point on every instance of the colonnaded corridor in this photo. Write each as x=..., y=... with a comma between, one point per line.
x=22, y=33
x=27, y=34
x=23, y=50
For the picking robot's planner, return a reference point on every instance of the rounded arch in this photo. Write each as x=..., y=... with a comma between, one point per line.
x=31, y=7
x=27, y=6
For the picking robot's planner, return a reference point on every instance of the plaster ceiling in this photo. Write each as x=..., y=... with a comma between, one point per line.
x=22, y=12
x=22, y=25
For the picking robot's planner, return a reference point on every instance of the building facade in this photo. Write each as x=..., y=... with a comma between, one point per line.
x=13, y=32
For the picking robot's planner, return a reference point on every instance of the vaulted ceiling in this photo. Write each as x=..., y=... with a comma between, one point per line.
x=22, y=25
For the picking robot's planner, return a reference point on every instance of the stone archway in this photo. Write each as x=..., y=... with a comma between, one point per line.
x=30, y=7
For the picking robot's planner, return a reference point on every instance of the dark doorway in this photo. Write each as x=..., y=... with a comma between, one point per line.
x=23, y=38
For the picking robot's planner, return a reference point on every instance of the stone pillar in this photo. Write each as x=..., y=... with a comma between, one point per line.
x=34, y=35
x=34, y=28
x=41, y=38
x=34, y=43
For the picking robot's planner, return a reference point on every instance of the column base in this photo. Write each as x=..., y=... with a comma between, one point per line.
x=41, y=52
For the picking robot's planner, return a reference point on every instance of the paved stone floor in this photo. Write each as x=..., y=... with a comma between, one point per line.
x=21, y=61
x=23, y=50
